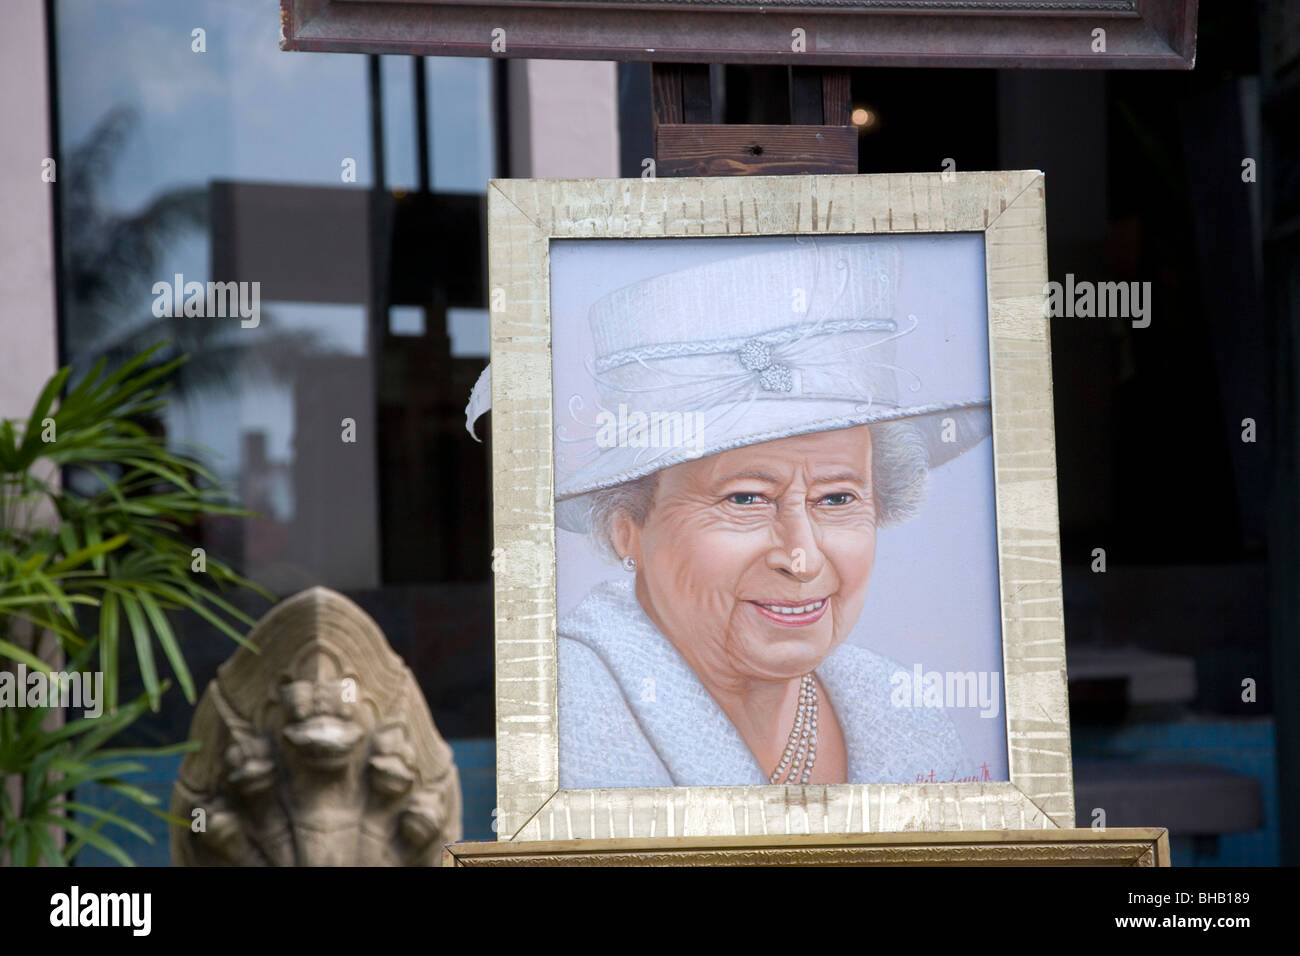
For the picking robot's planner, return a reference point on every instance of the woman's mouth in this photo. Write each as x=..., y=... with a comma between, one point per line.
x=792, y=614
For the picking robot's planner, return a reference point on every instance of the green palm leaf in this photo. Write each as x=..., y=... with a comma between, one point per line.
x=116, y=556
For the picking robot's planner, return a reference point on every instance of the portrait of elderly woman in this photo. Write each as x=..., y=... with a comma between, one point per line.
x=751, y=425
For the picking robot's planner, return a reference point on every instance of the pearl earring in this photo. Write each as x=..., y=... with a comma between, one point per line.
x=629, y=563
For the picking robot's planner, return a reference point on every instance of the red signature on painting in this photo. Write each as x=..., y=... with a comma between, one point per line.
x=980, y=777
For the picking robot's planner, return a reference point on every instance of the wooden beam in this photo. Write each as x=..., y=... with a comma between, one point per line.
x=666, y=92
x=837, y=97
x=707, y=150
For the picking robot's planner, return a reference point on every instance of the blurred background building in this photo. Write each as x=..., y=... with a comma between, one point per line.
x=353, y=189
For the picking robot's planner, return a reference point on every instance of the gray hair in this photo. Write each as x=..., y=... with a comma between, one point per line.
x=899, y=469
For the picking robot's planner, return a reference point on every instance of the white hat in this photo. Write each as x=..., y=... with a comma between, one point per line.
x=767, y=346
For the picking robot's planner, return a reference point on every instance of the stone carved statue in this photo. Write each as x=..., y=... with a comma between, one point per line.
x=319, y=751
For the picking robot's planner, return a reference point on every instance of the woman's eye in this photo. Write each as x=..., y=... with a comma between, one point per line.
x=839, y=498
x=745, y=498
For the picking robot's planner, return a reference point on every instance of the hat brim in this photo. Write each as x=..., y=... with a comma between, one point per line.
x=948, y=431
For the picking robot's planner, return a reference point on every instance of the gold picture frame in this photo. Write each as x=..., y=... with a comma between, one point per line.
x=1132, y=846
x=1008, y=208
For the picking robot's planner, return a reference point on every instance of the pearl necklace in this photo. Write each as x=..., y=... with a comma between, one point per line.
x=801, y=748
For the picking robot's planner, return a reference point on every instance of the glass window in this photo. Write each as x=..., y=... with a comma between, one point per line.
x=240, y=162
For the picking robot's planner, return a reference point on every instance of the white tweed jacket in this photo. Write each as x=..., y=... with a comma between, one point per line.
x=632, y=713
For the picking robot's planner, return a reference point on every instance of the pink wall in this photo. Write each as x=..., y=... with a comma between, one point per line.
x=27, y=330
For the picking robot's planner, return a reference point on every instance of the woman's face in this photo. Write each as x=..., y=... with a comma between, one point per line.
x=754, y=562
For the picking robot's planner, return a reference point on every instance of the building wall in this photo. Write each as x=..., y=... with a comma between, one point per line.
x=27, y=325
x=27, y=322
x=585, y=144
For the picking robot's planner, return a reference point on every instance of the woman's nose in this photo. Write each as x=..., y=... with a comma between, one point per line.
x=797, y=550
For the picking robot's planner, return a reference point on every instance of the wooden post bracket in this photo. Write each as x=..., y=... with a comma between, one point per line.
x=818, y=139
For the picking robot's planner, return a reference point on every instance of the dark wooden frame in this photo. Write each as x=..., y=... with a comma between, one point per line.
x=1133, y=846
x=1054, y=34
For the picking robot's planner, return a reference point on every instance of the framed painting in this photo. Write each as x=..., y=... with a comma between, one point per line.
x=993, y=34
x=775, y=520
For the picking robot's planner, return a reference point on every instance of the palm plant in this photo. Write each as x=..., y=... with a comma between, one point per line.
x=97, y=561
